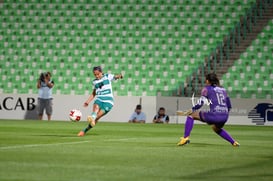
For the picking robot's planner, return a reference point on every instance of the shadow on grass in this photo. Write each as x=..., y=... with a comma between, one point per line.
x=260, y=170
x=200, y=144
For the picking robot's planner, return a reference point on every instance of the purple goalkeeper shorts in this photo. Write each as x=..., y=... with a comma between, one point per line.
x=217, y=118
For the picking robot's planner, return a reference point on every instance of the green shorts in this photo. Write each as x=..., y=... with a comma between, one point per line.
x=105, y=106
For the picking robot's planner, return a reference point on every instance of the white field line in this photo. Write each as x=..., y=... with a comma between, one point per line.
x=121, y=139
x=57, y=144
x=38, y=145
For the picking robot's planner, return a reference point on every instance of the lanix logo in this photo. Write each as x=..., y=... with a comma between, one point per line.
x=261, y=113
x=196, y=101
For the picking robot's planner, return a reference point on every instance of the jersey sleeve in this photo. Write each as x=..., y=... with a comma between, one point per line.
x=93, y=84
x=204, y=92
x=111, y=77
x=200, y=102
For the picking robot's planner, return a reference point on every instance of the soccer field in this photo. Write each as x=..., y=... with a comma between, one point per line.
x=41, y=150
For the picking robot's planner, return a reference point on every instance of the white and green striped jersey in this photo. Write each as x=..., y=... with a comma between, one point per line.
x=103, y=88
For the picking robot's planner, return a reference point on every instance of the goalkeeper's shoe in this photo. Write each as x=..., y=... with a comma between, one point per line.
x=81, y=133
x=91, y=121
x=236, y=144
x=183, y=141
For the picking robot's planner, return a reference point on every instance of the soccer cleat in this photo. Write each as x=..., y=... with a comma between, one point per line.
x=183, y=141
x=236, y=144
x=91, y=121
x=184, y=113
x=81, y=133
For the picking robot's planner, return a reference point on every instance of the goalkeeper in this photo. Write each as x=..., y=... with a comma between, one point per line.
x=217, y=116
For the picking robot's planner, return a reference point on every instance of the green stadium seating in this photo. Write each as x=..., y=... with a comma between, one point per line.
x=253, y=73
x=155, y=44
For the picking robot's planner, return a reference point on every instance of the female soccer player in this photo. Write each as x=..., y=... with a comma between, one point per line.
x=217, y=116
x=104, y=97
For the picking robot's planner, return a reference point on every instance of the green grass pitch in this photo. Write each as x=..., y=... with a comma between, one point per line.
x=41, y=150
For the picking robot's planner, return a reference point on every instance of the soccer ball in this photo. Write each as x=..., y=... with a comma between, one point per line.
x=75, y=115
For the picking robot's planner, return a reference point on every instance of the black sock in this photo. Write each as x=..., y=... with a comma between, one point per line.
x=87, y=128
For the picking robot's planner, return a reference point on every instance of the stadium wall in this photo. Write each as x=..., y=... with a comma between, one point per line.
x=23, y=106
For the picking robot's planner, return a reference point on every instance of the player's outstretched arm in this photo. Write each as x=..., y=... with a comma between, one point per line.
x=90, y=98
x=118, y=76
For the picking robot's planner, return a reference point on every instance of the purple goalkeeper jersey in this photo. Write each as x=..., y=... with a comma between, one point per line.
x=216, y=97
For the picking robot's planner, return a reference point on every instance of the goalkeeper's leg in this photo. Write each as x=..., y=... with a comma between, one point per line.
x=187, y=131
x=218, y=121
x=225, y=135
x=188, y=128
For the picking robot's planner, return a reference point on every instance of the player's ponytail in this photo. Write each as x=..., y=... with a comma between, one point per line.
x=213, y=79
